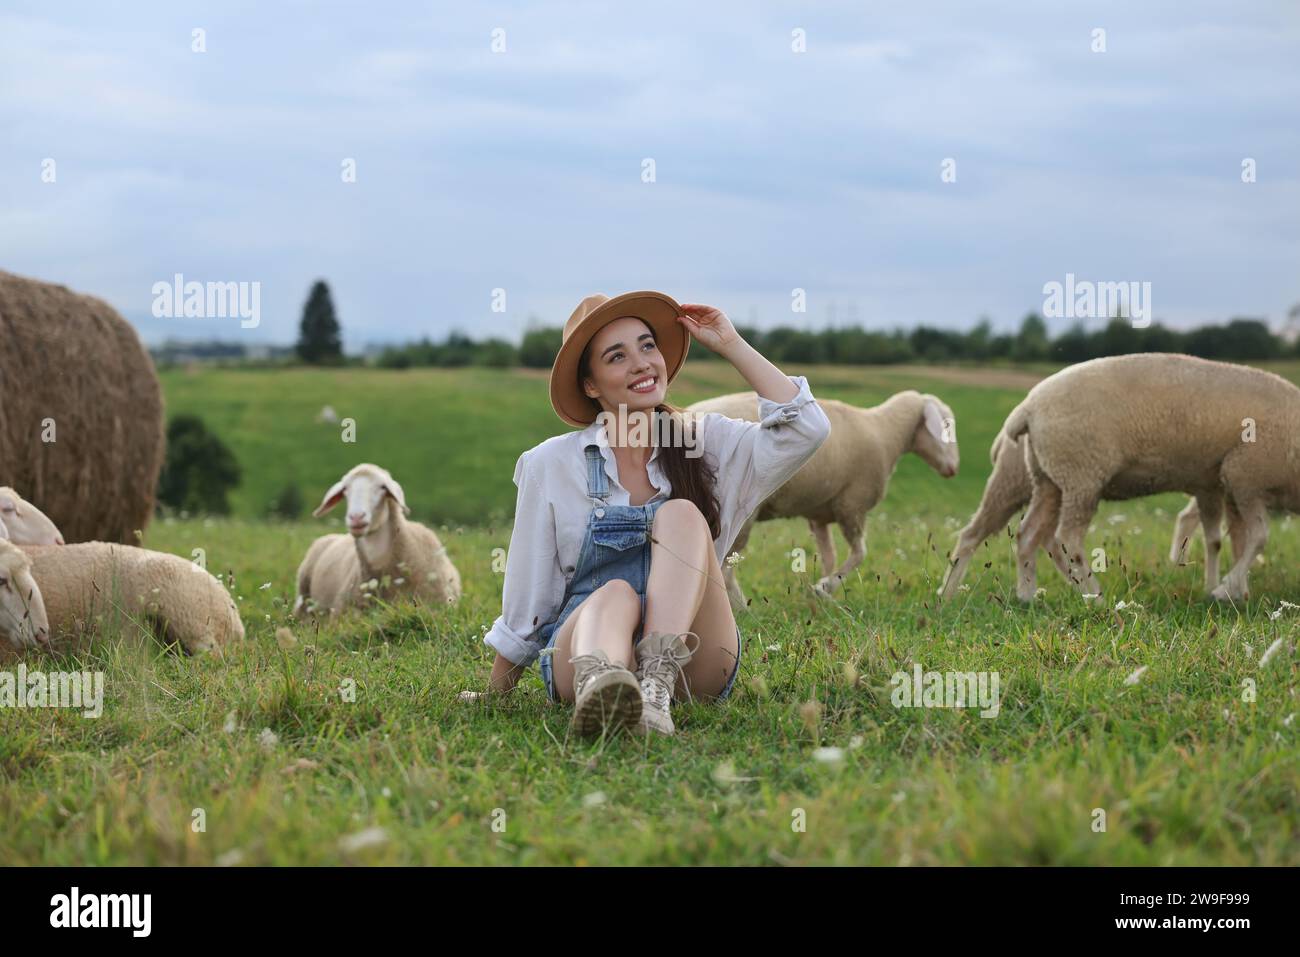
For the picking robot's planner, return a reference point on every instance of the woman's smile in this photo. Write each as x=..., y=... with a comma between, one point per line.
x=646, y=383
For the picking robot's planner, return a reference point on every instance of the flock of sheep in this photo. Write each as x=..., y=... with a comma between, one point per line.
x=54, y=592
x=1114, y=428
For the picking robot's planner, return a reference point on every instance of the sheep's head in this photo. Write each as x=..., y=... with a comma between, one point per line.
x=23, y=623
x=23, y=523
x=365, y=487
x=935, y=440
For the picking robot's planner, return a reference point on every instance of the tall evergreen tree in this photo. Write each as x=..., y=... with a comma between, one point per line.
x=319, y=341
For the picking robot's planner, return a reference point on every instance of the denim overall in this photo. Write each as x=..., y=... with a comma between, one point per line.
x=616, y=546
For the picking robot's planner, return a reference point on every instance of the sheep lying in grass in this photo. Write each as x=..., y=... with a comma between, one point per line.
x=398, y=556
x=23, y=622
x=23, y=523
x=849, y=474
x=83, y=582
x=1007, y=491
x=1128, y=426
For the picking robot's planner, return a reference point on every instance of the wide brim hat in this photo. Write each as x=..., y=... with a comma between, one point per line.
x=657, y=310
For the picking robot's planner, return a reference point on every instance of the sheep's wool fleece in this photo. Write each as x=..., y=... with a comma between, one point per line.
x=73, y=369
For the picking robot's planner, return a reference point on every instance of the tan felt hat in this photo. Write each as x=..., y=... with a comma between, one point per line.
x=657, y=310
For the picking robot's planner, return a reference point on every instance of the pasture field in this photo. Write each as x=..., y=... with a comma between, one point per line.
x=1158, y=713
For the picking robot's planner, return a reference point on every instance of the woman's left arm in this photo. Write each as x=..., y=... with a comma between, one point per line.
x=757, y=457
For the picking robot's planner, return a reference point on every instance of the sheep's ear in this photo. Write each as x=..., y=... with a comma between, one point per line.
x=934, y=423
x=332, y=498
x=395, y=490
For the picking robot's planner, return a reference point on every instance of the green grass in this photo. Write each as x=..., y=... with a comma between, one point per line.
x=1187, y=771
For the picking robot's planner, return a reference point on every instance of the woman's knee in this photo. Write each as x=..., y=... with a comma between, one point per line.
x=617, y=592
x=679, y=514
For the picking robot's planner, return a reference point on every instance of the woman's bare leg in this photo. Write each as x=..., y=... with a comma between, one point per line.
x=686, y=592
x=603, y=621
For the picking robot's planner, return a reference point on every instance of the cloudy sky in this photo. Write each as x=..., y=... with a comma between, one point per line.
x=522, y=170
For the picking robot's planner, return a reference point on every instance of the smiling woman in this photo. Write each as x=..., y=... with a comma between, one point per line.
x=616, y=552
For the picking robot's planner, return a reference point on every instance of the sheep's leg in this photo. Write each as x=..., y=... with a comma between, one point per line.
x=991, y=517
x=1184, y=528
x=853, y=527
x=825, y=544
x=1211, y=511
x=1035, y=532
x=1077, y=510
x=1236, y=529
x=1057, y=552
x=1254, y=536
x=735, y=594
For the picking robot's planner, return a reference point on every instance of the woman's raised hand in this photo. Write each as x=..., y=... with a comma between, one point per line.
x=709, y=326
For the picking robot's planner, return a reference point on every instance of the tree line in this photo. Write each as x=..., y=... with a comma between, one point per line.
x=1239, y=339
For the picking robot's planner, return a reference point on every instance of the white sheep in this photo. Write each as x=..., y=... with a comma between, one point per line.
x=1007, y=491
x=848, y=475
x=1127, y=426
x=384, y=555
x=23, y=621
x=23, y=523
x=98, y=582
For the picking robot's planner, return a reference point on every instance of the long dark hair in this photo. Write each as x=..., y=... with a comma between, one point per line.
x=691, y=477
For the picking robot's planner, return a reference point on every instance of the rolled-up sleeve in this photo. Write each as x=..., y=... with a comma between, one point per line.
x=757, y=458
x=534, y=582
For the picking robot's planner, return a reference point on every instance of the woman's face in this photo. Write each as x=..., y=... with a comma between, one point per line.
x=626, y=365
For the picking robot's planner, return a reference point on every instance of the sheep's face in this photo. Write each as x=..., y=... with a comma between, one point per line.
x=23, y=523
x=935, y=440
x=622, y=365
x=23, y=623
x=365, y=489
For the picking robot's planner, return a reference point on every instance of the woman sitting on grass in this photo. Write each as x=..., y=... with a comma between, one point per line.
x=621, y=528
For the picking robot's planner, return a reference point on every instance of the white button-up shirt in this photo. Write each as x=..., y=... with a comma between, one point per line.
x=753, y=460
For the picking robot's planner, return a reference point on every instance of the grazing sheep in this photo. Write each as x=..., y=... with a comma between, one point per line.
x=23, y=621
x=23, y=523
x=849, y=474
x=382, y=544
x=89, y=580
x=1128, y=426
x=81, y=424
x=1007, y=491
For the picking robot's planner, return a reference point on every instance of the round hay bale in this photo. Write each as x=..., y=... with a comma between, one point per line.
x=73, y=370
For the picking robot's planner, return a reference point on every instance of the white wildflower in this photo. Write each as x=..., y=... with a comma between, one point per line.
x=594, y=799
x=268, y=739
x=1269, y=653
x=370, y=837
x=833, y=756
x=1136, y=676
x=735, y=558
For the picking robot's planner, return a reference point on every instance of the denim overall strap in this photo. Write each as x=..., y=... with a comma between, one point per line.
x=597, y=486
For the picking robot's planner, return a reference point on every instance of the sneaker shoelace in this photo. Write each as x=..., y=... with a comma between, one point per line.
x=663, y=669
